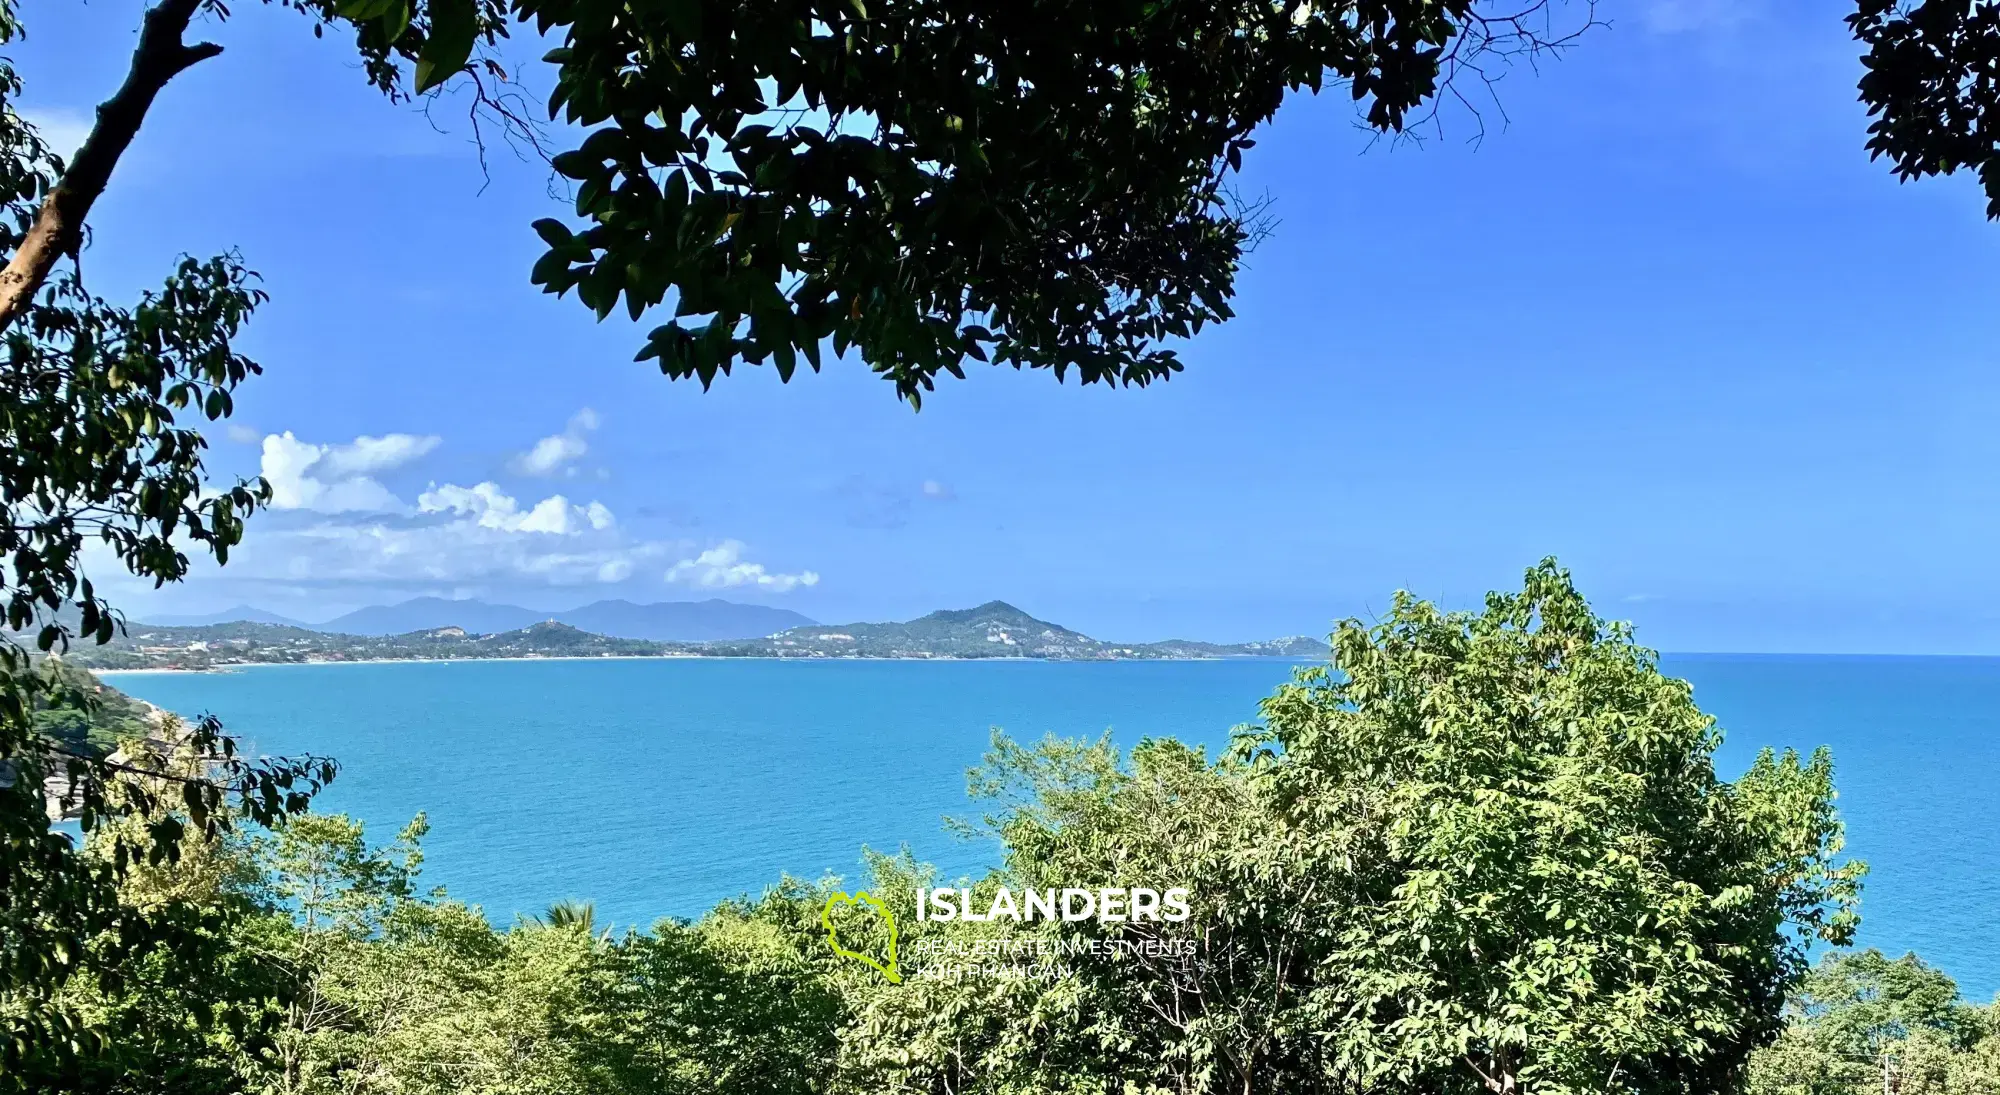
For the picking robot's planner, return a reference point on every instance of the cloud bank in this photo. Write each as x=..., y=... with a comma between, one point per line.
x=337, y=523
x=723, y=567
x=337, y=478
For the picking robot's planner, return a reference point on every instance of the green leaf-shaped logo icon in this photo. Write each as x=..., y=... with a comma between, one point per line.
x=862, y=898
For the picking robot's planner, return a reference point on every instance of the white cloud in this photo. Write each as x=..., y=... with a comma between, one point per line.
x=616, y=570
x=458, y=551
x=722, y=567
x=333, y=478
x=558, y=452
x=243, y=435
x=551, y=453
x=371, y=454
x=478, y=501
x=934, y=489
x=330, y=479
x=337, y=526
x=284, y=465
x=453, y=533
x=490, y=507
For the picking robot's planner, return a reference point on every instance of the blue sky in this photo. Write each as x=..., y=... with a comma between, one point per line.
x=1667, y=324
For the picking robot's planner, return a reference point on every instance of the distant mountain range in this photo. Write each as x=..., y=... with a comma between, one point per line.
x=426, y=613
x=239, y=614
x=682, y=621
x=992, y=630
x=997, y=629
x=667, y=621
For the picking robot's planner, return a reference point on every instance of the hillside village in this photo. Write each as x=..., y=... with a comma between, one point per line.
x=992, y=630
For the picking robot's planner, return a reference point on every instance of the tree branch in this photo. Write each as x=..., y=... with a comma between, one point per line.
x=58, y=227
x=135, y=770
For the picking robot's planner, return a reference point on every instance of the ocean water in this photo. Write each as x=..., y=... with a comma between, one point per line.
x=657, y=787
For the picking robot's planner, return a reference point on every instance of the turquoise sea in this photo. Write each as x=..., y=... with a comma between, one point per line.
x=657, y=787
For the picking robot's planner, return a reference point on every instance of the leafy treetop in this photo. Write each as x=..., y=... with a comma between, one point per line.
x=1932, y=86
x=1041, y=183
x=1485, y=852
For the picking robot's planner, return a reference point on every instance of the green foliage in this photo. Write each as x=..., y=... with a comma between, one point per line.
x=1027, y=182
x=1065, y=1019
x=192, y=1017
x=1035, y=184
x=83, y=713
x=735, y=1004
x=323, y=870
x=99, y=442
x=436, y=39
x=392, y=990
x=1862, y=1002
x=193, y=1010
x=1550, y=886
x=1864, y=1023
x=1932, y=87
x=1485, y=852
x=93, y=450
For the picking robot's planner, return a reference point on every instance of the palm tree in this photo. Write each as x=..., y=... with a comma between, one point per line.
x=573, y=915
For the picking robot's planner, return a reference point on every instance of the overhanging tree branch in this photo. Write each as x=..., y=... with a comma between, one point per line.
x=58, y=227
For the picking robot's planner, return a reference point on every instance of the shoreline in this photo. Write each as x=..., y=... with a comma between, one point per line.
x=232, y=667
x=235, y=666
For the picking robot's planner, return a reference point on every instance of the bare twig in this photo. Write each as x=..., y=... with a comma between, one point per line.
x=499, y=101
x=1483, y=52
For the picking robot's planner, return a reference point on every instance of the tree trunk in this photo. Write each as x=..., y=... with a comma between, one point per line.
x=1498, y=1075
x=58, y=227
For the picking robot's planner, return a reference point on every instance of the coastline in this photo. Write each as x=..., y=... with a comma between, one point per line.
x=232, y=667
x=235, y=666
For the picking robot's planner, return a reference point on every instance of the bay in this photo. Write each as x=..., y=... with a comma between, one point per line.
x=657, y=787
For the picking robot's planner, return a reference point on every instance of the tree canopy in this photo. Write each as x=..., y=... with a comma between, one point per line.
x=100, y=453
x=1932, y=86
x=1479, y=852
x=1863, y=1022
x=927, y=182
x=921, y=182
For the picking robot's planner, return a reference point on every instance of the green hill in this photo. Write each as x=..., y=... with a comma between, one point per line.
x=995, y=629
x=96, y=728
